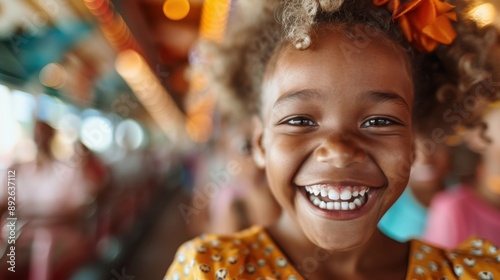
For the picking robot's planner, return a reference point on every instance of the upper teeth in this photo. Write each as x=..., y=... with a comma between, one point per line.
x=340, y=198
x=336, y=193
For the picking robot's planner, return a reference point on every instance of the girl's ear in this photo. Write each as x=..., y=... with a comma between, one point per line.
x=258, y=150
x=476, y=139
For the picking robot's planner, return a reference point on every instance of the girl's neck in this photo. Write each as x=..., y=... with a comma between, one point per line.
x=364, y=262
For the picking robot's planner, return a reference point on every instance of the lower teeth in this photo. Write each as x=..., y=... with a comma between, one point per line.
x=338, y=205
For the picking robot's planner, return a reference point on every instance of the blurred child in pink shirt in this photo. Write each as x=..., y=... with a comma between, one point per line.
x=472, y=210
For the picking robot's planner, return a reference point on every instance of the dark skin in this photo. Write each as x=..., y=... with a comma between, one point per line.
x=337, y=120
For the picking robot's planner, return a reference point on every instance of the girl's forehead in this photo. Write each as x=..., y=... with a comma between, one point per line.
x=333, y=52
x=336, y=64
x=345, y=44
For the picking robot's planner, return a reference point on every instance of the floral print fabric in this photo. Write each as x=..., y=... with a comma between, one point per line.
x=251, y=254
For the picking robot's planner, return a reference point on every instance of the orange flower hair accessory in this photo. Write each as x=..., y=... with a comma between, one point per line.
x=425, y=23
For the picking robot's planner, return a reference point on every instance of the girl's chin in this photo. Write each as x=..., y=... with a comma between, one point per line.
x=334, y=237
x=334, y=231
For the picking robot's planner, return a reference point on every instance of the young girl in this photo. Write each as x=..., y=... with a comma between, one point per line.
x=334, y=89
x=472, y=210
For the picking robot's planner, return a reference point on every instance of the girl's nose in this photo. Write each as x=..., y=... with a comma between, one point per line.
x=339, y=152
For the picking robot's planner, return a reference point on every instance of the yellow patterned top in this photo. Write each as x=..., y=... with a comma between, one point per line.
x=252, y=254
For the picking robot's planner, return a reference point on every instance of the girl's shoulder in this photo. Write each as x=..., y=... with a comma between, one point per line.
x=474, y=259
x=249, y=254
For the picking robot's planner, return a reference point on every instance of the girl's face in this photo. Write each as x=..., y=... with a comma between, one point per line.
x=335, y=137
x=431, y=165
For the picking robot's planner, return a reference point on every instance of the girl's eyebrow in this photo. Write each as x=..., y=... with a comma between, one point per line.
x=383, y=96
x=301, y=95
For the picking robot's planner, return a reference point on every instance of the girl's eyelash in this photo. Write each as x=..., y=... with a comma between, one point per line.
x=378, y=122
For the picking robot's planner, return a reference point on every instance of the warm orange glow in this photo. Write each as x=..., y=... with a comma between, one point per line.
x=94, y=4
x=199, y=127
x=176, y=9
x=214, y=19
x=149, y=91
x=129, y=64
x=483, y=14
x=112, y=25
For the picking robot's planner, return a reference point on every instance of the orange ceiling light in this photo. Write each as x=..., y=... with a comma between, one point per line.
x=214, y=19
x=156, y=100
x=176, y=9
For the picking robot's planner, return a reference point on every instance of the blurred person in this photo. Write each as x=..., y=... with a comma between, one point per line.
x=53, y=200
x=244, y=198
x=473, y=208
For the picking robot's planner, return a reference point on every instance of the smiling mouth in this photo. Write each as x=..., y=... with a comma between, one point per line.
x=343, y=198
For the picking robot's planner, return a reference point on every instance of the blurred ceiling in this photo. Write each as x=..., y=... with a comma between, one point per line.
x=166, y=42
x=69, y=49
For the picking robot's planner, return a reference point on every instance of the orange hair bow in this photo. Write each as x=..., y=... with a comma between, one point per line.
x=425, y=23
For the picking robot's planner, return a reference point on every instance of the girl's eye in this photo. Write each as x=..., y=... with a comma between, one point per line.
x=378, y=122
x=300, y=122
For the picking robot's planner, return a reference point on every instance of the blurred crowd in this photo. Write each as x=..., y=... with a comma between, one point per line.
x=73, y=212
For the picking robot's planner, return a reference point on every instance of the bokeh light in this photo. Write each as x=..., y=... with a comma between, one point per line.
x=11, y=131
x=176, y=9
x=483, y=14
x=53, y=75
x=129, y=135
x=97, y=133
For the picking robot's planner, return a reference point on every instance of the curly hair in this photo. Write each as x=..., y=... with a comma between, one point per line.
x=448, y=75
x=454, y=74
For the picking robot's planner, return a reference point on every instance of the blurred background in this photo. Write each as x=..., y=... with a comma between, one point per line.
x=106, y=119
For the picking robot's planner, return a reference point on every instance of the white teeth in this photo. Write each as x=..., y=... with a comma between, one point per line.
x=352, y=206
x=344, y=205
x=316, y=201
x=333, y=194
x=345, y=194
x=358, y=202
x=324, y=193
x=344, y=198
